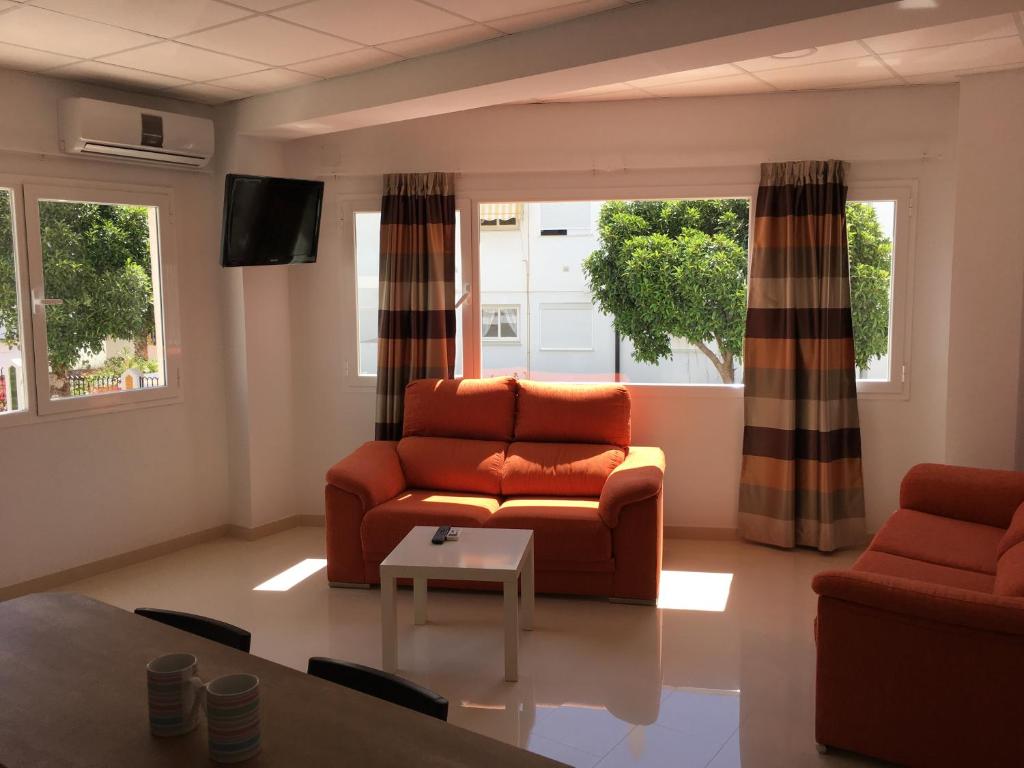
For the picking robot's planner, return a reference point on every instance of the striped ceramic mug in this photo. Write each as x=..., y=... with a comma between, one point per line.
x=175, y=692
x=233, y=717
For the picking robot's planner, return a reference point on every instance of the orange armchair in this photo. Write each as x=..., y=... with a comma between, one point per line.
x=920, y=646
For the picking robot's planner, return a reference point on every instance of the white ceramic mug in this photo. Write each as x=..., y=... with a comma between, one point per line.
x=232, y=705
x=175, y=692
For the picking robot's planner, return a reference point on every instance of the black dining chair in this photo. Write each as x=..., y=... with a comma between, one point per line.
x=381, y=685
x=212, y=629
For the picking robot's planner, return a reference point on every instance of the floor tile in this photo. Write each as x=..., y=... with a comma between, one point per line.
x=600, y=683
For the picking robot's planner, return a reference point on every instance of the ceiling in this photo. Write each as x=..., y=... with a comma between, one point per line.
x=938, y=54
x=215, y=51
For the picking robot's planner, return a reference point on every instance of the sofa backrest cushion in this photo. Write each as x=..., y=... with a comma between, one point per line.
x=572, y=413
x=478, y=409
x=452, y=464
x=558, y=469
x=1014, y=534
x=1010, y=572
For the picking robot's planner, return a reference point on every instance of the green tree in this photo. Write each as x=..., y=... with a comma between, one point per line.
x=679, y=269
x=870, y=272
x=96, y=259
x=674, y=269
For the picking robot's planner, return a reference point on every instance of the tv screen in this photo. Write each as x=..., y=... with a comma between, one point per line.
x=270, y=221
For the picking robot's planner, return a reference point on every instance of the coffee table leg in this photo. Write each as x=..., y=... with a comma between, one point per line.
x=419, y=600
x=388, y=623
x=511, y=629
x=528, y=590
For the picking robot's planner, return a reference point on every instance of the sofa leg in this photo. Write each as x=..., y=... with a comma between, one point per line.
x=822, y=749
x=631, y=601
x=348, y=585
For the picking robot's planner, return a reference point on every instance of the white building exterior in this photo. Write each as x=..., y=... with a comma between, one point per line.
x=532, y=274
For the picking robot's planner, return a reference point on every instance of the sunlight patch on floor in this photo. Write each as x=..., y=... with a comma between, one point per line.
x=694, y=591
x=287, y=579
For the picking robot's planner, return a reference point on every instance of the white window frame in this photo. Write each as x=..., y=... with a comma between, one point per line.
x=530, y=194
x=30, y=192
x=499, y=339
x=26, y=414
x=348, y=206
x=904, y=193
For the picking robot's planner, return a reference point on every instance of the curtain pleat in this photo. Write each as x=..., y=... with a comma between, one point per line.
x=416, y=315
x=801, y=482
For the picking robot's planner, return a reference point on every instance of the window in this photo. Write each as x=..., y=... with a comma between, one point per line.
x=669, y=274
x=500, y=216
x=85, y=317
x=500, y=323
x=13, y=395
x=870, y=228
x=366, y=239
x=566, y=218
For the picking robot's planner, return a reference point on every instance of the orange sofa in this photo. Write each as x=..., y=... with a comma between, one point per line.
x=504, y=453
x=921, y=643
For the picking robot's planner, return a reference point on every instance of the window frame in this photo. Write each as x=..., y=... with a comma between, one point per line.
x=26, y=192
x=348, y=205
x=534, y=194
x=904, y=193
x=24, y=296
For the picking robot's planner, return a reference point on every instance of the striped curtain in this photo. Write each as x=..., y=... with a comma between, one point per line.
x=416, y=316
x=801, y=482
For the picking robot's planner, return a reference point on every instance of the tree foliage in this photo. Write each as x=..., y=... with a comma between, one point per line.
x=679, y=269
x=96, y=258
x=674, y=269
x=870, y=272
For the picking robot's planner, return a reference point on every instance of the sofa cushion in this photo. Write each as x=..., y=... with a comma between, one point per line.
x=387, y=524
x=478, y=409
x=565, y=530
x=1010, y=572
x=572, y=413
x=1014, y=534
x=452, y=464
x=558, y=469
x=883, y=563
x=939, y=540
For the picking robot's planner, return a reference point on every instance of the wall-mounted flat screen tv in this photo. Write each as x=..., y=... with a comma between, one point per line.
x=270, y=221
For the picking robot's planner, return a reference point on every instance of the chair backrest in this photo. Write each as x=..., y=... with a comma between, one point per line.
x=212, y=629
x=381, y=685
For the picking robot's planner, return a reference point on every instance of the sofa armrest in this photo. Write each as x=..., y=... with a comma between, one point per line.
x=372, y=472
x=987, y=496
x=640, y=476
x=923, y=600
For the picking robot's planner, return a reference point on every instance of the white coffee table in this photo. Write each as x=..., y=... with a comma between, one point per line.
x=481, y=554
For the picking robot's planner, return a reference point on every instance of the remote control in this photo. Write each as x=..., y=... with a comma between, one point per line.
x=441, y=534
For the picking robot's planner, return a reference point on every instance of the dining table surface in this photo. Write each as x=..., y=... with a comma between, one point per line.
x=73, y=692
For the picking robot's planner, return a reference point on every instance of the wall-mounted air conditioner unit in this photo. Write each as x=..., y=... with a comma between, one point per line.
x=117, y=131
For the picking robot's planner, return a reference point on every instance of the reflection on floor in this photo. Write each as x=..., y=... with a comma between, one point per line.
x=721, y=676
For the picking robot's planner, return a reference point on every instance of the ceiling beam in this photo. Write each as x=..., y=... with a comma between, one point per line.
x=636, y=41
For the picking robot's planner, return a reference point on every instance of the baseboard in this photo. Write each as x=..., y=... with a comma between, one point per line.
x=700, y=533
x=95, y=568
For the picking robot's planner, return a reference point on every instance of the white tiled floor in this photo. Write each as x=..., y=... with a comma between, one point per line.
x=600, y=684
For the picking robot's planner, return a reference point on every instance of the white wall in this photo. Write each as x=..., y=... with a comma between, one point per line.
x=79, y=489
x=259, y=363
x=988, y=274
x=715, y=145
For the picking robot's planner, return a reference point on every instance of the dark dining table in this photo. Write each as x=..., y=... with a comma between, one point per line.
x=73, y=693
